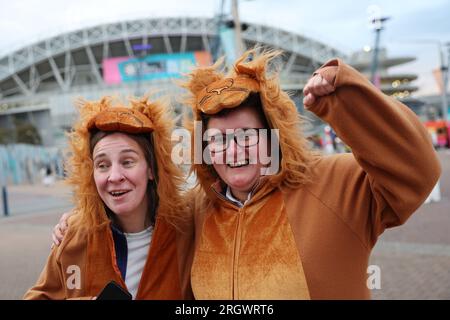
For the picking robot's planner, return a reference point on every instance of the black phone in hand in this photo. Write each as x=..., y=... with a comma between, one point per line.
x=112, y=291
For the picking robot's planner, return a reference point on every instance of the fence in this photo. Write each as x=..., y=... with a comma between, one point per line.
x=28, y=164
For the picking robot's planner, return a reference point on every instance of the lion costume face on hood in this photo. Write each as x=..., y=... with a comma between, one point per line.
x=142, y=117
x=211, y=90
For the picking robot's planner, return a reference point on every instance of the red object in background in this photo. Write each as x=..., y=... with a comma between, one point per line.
x=440, y=132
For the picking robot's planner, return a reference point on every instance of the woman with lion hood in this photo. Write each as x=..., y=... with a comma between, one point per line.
x=130, y=221
x=306, y=230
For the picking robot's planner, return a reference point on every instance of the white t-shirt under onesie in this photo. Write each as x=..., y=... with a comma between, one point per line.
x=138, y=246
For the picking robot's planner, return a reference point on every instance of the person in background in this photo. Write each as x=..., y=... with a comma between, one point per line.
x=49, y=178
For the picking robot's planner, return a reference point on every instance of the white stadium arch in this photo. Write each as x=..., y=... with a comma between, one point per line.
x=41, y=81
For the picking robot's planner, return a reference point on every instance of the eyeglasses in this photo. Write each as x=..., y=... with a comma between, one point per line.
x=245, y=138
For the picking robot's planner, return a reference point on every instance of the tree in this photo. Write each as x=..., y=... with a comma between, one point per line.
x=6, y=136
x=27, y=133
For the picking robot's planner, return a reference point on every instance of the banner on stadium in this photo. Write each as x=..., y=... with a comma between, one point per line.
x=155, y=66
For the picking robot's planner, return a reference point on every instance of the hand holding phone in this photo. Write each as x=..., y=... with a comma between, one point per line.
x=112, y=291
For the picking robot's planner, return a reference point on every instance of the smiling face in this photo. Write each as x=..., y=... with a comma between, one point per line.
x=239, y=166
x=121, y=174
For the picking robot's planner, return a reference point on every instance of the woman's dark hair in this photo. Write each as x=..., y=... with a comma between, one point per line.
x=253, y=101
x=145, y=141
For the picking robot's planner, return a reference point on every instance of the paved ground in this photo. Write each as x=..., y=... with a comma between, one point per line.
x=414, y=259
x=26, y=234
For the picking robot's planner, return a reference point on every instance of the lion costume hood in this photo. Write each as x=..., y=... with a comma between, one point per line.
x=141, y=117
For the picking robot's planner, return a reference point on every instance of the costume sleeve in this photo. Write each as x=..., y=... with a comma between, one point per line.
x=50, y=284
x=396, y=166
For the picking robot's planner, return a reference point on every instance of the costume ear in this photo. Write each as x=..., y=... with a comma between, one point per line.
x=254, y=64
x=150, y=109
x=89, y=109
x=200, y=78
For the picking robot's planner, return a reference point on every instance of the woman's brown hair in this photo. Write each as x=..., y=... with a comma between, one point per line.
x=145, y=142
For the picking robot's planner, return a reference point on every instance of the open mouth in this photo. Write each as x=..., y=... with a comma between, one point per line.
x=117, y=194
x=238, y=164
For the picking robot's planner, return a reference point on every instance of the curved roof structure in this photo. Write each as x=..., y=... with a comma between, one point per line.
x=40, y=82
x=65, y=61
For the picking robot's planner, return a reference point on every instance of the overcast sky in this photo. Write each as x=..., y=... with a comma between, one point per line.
x=343, y=24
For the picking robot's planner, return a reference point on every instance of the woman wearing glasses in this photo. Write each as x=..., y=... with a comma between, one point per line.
x=306, y=229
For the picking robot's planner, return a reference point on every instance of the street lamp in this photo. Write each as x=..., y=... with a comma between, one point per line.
x=229, y=34
x=237, y=28
x=444, y=74
x=442, y=67
x=377, y=23
x=216, y=40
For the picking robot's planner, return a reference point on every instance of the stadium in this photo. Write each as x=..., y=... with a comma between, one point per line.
x=40, y=82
